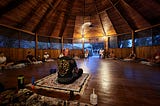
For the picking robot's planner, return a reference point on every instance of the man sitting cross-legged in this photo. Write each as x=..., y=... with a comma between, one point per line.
x=67, y=69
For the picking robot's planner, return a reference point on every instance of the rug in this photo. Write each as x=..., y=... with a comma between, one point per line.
x=50, y=83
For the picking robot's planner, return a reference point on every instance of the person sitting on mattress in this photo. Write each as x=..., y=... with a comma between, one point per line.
x=45, y=56
x=112, y=55
x=3, y=61
x=154, y=61
x=31, y=59
x=131, y=57
x=68, y=71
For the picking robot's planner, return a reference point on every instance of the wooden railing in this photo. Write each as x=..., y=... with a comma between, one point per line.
x=141, y=52
x=17, y=54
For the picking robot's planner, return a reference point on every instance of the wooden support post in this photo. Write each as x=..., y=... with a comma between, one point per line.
x=133, y=44
x=62, y=43
x=83, y=44
x=106, y=43
x=19, y=39
x=36, y=44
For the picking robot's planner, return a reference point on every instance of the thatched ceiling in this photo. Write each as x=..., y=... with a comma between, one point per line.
x=57, y=18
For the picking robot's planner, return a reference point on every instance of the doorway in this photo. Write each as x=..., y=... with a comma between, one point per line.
x=94, y=48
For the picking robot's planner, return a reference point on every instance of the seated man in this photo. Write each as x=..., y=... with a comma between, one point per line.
x=131, y=57
x=45, y=56
x=3, y=61
x=154, y=61
x=67, y=69
x=156, y=58
x=112, y=55
x=30, y=58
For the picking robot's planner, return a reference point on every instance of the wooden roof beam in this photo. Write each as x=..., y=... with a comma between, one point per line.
x=72, y=27
x=151, y=22
x=29, y=16
x=112, y=24
x=136, y=11
x=100, y=19
x=11, y=5
x=65, y=19
x=120, y=14
x=10, y=27
x=51, y=30
x=42, y=20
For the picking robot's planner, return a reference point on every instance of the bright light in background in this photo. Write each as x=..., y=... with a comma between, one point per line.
x=83, y=39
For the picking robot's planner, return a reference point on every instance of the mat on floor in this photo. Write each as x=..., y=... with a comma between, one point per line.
x=50, y=83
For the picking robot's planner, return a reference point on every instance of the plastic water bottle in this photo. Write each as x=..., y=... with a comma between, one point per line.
x=33, y=80
x=93, y=98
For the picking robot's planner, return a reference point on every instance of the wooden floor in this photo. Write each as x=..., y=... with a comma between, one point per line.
x=116, y=83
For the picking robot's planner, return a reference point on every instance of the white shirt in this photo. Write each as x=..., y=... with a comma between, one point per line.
x=157, y=57
x=46, y=56
x=3, y=59
x=61, y=55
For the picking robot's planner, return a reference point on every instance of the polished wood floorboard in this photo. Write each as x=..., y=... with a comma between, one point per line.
x=116, y=83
